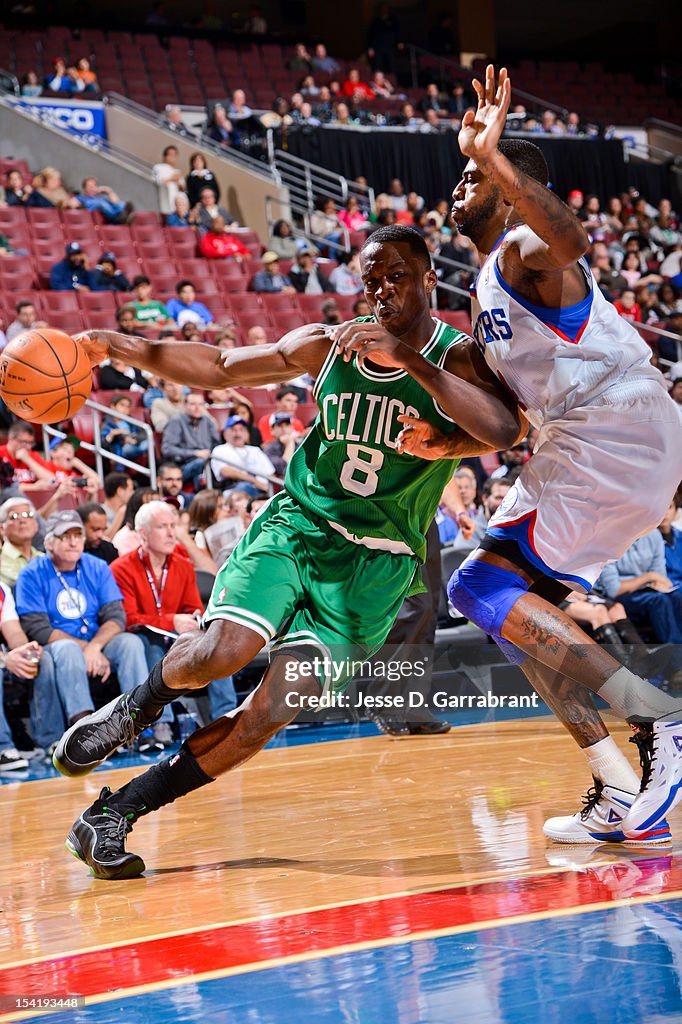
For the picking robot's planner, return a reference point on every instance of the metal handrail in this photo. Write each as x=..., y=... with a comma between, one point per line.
x=271, y=478
x=101, y=453
x=9, y=76
x=464, y=72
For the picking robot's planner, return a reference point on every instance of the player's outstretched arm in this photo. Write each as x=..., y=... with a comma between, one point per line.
x=204, y=366
x=561, y=238
x=466, y=390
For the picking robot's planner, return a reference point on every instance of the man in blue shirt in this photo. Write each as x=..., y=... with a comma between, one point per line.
x=70, y=603
x=672, y=540
x=185, y=309
x=70, y=274
x=100, y=197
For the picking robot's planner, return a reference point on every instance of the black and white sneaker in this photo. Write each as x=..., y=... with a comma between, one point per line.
x=11, y=760
x=98, y=838
x=94, y=738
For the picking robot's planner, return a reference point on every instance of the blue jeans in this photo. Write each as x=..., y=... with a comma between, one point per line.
x=221, y=693
x=111, y=211
x=61, y=689
x=662, y=613
x=5, y=734
x=193, y=471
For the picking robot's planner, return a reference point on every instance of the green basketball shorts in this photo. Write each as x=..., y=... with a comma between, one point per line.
x=296, y=581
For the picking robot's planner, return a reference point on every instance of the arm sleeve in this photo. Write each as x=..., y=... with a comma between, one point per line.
x=112, y=611
x=609, y=580
x=36, y=626
x=658, y=561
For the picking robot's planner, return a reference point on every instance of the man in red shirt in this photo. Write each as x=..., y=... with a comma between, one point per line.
x=29, y=475
x=217, y=244
x=355, y=88
x=286, y=400
x=161, y=600
x=628, y=308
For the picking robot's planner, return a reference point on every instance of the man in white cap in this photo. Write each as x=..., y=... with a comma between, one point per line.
x=270, y=278
x=70, y=603
x=238, y=463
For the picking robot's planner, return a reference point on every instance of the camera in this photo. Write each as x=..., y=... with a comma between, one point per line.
x=79, y=481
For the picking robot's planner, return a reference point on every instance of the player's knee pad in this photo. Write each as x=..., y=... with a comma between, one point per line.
x=485, y=594
x=513, y=654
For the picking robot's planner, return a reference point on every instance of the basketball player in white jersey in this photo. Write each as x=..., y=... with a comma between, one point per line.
x=607, y=462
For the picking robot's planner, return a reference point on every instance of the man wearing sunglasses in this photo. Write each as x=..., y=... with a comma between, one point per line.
x=19, y=526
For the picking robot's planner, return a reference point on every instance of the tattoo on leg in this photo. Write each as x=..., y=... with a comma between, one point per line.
x=569, y=701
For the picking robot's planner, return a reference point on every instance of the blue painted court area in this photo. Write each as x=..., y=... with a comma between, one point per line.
x=621, y=965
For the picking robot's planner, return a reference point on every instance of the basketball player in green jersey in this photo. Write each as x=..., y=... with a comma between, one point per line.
x=324, y=568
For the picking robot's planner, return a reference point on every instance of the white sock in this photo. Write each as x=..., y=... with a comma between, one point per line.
x=633, y=697
x=611, y=766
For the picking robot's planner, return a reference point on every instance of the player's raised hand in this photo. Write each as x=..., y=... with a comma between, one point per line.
x=418, y=437
x=95, y=344
x=481, y=131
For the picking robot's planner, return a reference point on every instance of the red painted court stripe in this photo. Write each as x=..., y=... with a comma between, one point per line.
x=229, y=946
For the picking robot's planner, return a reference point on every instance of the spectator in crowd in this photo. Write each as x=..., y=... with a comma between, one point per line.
x=86, y=76
x=17, y=191
x=236, y=463
x=432, y=125
x=125, y=320
x=383, y=40
x=354, y=88
x=115, y=375
x=94, y=196
x=118, y=490
x=189, y=438
x=219, y=127
x=171, y=404
x=227, y=337
x=22, y=659
x=58, y=80
x=627, y=307
x=324, y=221
x=48, y=191
x=127, y=539
x=346, y=279
x=341, y=115
x=331, y=314
x=106, y=277
x=257, y=335
x=169, y=179
x=30, y=84
x=71, y=273
x=382, y=86
x=669, y=301
x=207, y=508
x=169, y=483
x=19, y=527
x=218, y=244
x=493, y=494
x=510, y=460
x=459, y=102
x=321, y=61
x=65, y=466
x=69, y=603
x=20, y=441
x=672, y=538
x=94, y=519
x=676, y=390
x=575, y=202
x=256, y=24
x=270, y=279
x=286, y=400
x=182, y=216
x=25, y=320
x=306, y=277
x=432, y=101
x=322, y=107
x=283, y=444
x=120, y=434
x=407, y=117
x=239, y=110
x=282, y=240
x=207, y=210
x=149, y=312
x=353, y=217
x=174, y=123
x=185, y=307
x=361, y=307
x=397, y=197
x=301, y=61
x=199, y=179
x=639, y=581
x=160, y=591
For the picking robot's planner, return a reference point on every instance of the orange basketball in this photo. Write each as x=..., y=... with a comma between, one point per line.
x=45, y=376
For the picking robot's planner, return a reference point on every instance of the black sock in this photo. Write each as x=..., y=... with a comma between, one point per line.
x=152, y=695
x=161, y=784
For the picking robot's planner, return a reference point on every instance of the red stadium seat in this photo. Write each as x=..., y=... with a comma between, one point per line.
x=71, y=323
x=101, y=302
x=17, y=281
x=457, y=318
x=279, y=302
x=285, y=321
x=311, y=306
x=59, y=302
x=39, y=216
x=192, y=268
x=248, y=302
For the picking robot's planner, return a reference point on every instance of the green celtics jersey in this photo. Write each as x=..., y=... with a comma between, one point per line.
x=348, y=471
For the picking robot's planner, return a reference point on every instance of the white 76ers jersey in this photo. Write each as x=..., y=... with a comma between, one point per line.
x=554, y=360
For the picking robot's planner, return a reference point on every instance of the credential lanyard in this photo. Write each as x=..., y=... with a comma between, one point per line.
x=74, y=602
x=158, y=594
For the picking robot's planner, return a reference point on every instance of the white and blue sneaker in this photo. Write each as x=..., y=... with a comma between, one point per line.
x=601, y=821
x=660, y=748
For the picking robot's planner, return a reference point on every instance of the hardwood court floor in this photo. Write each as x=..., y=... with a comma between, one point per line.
x=319, y=850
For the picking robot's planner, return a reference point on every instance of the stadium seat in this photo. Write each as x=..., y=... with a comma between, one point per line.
x=71, y=323
x=59, y=302
x=247, y=302
x=278, y=302
x=101, y=302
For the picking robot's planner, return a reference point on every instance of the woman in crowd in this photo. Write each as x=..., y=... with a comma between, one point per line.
x=282, y=240
x=199, y=178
